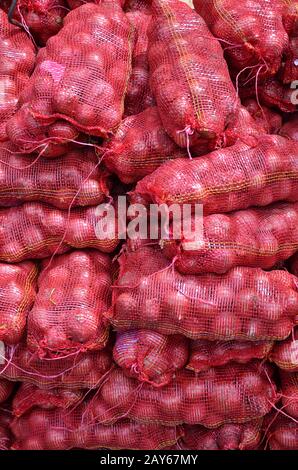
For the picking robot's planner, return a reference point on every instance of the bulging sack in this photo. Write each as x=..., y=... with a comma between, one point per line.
x=228, y=179
x=68, y=313
x=81, y=75
x=6, y=388
x=74, y=179
x=285, y=353
x=17, y=57
x=195, y=97
x=17, y=294
x=229, y=394
x=289, y=390
x=149, y=356
x=290, y=128
x=243, y=304
x=283, y=433
x=269, y=119
x=36, y=230
x=205, y=354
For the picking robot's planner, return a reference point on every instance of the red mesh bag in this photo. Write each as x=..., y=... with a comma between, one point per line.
x=57, y=430
x=255, y=27
x=6, y=388
x=289, y=389
x=5, y=434
x=43, y=18
x=36, y=230
x=149, y=356
x=81, y=75
x=234, y=393
x=294, y=265
x=196, y=98
x=78, y=371
x=74, y=179
x=244, y=304
x=17, y=56
x=290, y=68
x=285, y=353
x=252, y=237
x=28, y=396
x=227, y=437
x=139, y=146
x=283, y=434
x=77, y=3
x=73, y=294
x=228, y=179
x=290, y=128
x=17, y=294
x=290, y=16
x=271, y=93
x=205, y=354
x=267, y=118
x=139, y=96
x=133, y=5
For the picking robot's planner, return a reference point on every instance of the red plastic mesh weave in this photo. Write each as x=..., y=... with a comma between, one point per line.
x=294, y=265
x=256, y=27
x=139, y=96
x=243, y=304
x=196, y=98
x=149, y=356
x=205, y=354
x=139, y=146
x=81, y=75
x=285, y=353
x=6, y=388
x=229, y=179
x=271, y=93
x=234, y=393
x=227, y=437
x=290, y=128
x=43, y=18
x=60, y=182
x=283, y=434
x=267, y=118
x=290, y=69
x=77, y=3
x=17, y=294
x=289, y=390
x=5, y=434
x=29, y=396
x=73, y=294
x=17, y=56
x=142, y=5
x=57, y=430
x=36, y=230
x=78, y=371
x=251, y=237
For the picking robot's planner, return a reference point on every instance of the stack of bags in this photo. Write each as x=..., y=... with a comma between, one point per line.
x=168, y=342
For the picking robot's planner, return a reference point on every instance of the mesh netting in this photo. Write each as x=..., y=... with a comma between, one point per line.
x=227, y=437
x=244, y=304
x=268, y=119
x=60, y=182
x=233, y=393
x=17, y=294
x=81, y=75
x=73, y=294
x=5, y=434
x=290, y=69
x=139, y=96
x=43, y=18
x=77, y=3
x=271, y=93
x=290, y=128
x=228, y=179
x=78, y=371
x=205, y=354
x=57, y=430
x=196, y=98
x=290, y=17
x=252, y=237
x=149, y=356
x=29, y=396
x=17, y=56
x=294, y=265
x=283, y=434
x=285, y=353
x=36, y=230
x=140, y=146
x=133, y=5
x=6, y=388
x=289, y=389
x=255, y=27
